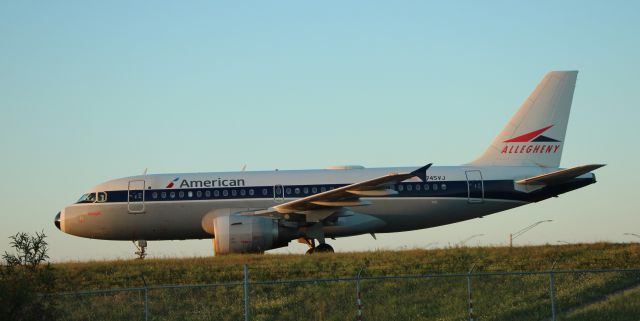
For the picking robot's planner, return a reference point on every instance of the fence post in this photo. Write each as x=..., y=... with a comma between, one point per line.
x=247, y=303
x=358, y=297
x=146, y=298
x=469, y=292
x=552, y=292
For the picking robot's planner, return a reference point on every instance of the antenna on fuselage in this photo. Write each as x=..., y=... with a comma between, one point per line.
x=244, y=167
x=145, y=171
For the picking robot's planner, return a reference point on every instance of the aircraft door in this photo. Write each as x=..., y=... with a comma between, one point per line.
x=278, y=193
x=135, y=197
x=475, y=187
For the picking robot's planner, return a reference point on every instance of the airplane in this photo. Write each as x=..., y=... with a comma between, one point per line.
x=256, y=211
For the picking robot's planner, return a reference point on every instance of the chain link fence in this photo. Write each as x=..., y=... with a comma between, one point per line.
x=549, y=295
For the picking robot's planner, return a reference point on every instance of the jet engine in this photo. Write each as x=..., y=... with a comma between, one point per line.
x=247, y=234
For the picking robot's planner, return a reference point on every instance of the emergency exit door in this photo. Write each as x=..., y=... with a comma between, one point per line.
x=278, y=193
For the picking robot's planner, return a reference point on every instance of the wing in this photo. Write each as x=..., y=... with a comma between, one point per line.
x=319, y=206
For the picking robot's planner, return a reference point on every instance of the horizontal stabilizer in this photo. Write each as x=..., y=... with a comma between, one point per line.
x=559, y=176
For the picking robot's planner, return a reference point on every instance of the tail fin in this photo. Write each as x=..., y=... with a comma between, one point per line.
x=535, y=134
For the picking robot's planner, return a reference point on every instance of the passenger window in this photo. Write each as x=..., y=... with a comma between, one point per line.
x=225, y=193
x=154, y=195
x=172, y=195
x=181, y=194
x=323, y=189
x=243, y=192
x=199, y=194
x=418, y=187
x=278, y=190
x=400, y=188
x=409, y=187
x=234, y=192
x=189, y=194
x=251, y=192
x=314, y=190
x=426, y=187
x=216, y=193
x=163, y=195
x=264, y=192
x=444, y=187
x=306, y=190
x=435, y=187
x=288, y=190
x=207, y=194
x=297, y=190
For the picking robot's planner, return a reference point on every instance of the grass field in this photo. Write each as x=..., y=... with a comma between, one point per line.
x=579, y=296
x=624, y=306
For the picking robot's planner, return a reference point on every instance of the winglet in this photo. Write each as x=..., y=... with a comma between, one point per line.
x=421, y=172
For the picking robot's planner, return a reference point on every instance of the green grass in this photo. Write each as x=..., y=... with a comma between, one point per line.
x=624, y=306
x=495, y=297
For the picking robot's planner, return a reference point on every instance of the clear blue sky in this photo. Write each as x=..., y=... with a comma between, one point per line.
x=95, y=90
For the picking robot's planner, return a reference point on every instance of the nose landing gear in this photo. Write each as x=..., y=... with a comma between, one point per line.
x=141, y=247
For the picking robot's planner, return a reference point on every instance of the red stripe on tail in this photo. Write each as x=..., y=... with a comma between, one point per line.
x=528, y=136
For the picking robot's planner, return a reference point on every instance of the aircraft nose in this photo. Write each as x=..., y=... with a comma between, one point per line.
x=57, y=220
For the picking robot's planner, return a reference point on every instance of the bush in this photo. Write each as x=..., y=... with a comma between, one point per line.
x=25, y=279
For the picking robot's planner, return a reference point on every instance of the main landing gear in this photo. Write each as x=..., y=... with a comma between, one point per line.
x=323, y=248
x=141, y=247
x=320, y=248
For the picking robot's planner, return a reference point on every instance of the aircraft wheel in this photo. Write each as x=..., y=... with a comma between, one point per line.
x=323, y=248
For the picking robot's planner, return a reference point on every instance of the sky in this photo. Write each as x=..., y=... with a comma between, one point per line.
x=96, y=90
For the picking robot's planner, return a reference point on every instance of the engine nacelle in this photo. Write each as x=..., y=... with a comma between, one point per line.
x=246, y=234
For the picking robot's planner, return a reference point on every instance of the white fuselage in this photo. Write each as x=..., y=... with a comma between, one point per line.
x=173, y=206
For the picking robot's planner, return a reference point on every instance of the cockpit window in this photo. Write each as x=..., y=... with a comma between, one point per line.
x=87, y=198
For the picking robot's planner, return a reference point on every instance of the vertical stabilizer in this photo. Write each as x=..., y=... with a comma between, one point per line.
x=535, y=134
